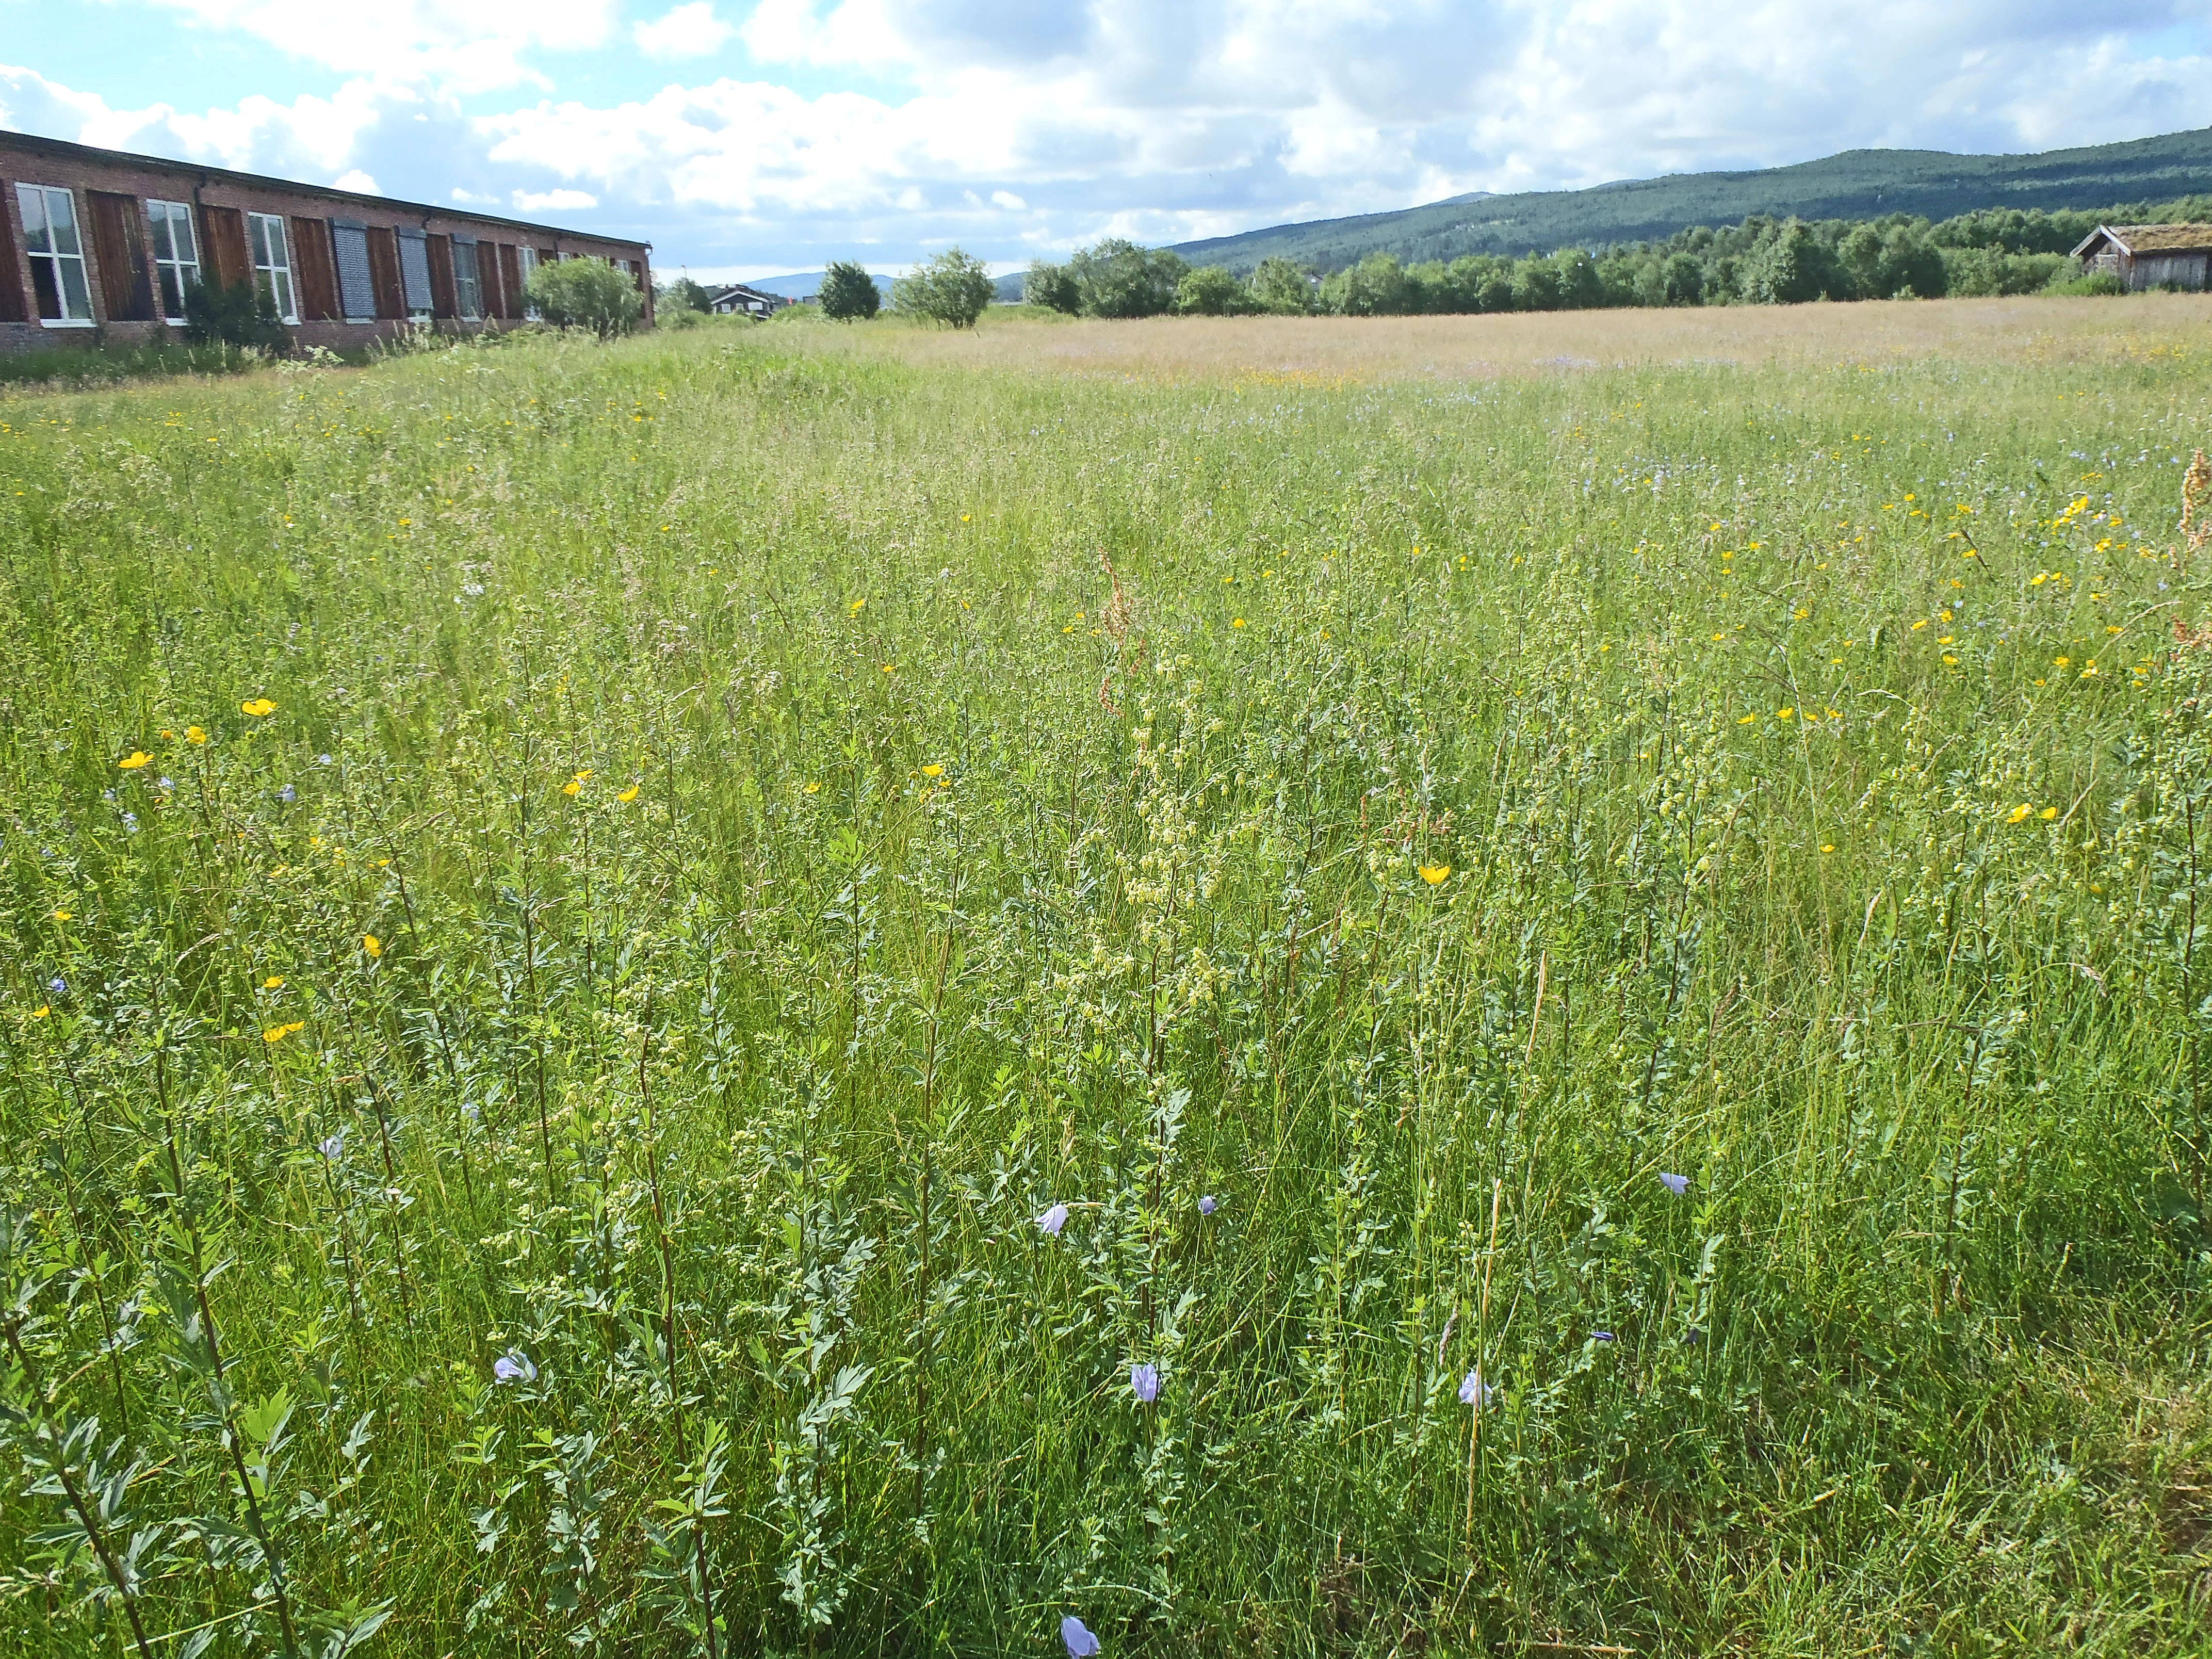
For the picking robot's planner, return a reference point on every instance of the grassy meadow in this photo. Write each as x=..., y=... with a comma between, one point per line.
x=570, y=916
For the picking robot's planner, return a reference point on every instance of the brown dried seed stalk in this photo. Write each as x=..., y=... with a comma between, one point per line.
x=2195, y=494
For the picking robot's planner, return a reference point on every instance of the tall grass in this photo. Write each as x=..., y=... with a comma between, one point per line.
x=652, y=868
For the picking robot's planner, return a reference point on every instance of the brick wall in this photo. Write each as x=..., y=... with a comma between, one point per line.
x=221, y=204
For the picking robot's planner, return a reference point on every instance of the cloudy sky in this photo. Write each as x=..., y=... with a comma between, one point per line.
x=751, y=136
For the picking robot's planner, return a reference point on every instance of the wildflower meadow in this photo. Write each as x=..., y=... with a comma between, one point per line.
x=795, y=990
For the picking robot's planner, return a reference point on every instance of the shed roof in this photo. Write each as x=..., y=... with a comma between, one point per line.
x=2139, y=240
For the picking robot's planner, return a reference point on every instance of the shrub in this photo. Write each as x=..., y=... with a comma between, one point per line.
x=233, y=313
x=953, y=288
x=1283, y=287
x=2095, y=283
x=586, y=294
x=1213, y=291
x=682, y=294
x=1117, y=278
x=1376, y=286
x=1053, y=287
x=848, y=293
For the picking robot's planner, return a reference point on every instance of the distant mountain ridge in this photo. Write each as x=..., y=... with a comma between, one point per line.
x=1858, y=183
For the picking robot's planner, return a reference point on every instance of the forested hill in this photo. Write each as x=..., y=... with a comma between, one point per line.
x=1859, y=184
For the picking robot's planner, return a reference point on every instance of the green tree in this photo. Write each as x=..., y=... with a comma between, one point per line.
x=682, y=294
x=1376, y=286
x=1117, y=278
x=1213, y=291
x=1535, y=285
x=1283, y=287
x=586, y=294
x=1792, y=266
x=951, y=288
x=1494, y=290
x=848, y=293
x=1053, y=287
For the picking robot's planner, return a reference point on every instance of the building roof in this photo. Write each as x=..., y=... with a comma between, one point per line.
x=2137, y=240
x=62, y=149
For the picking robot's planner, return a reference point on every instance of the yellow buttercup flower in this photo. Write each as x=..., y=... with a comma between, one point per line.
x=278, y=1033
x=193, y=734
x=813, y=788
x=1433, y=873
x=932, y=771
x=134, y=760
x=41, y=1010
x=373, y=945
x=273, y=982
x=64, y=916
x=628, y=794
x=2018, y=812
x=258, y=707
x=576, y=785
x=2048, y=813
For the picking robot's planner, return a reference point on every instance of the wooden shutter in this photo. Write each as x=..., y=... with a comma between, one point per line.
x=443, y=303
x=226, y=246
x=510, y=278
x=490, y=281
x=384, y=266
x=12, y=308
x=126, y=291
x=313, y=273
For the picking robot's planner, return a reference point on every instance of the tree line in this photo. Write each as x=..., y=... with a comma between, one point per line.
x=1763, y=260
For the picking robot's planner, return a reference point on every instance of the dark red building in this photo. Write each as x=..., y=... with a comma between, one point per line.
x=99, y=240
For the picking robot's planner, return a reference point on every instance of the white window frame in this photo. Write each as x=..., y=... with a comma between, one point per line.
x=165, y=219
x=269, y=240
x=468, y=290
x=526, y=264
x=43, y=196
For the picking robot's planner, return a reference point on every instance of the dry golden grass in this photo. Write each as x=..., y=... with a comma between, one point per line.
x=1333, y=350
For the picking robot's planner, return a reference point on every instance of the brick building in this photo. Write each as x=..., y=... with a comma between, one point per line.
x=99, y=240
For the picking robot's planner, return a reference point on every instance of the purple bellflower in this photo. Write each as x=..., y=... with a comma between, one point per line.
x=1053, y=1220
x=1676, y=1184
x=1144, y=1380
x=1081, y=1643
x=1208, y=1205
x=514, y=1366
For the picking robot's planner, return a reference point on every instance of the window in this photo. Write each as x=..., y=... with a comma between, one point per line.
x=356, y=276
x=527, y=258
x=272, y=262
x=176, y=255
x=468, y=281
x=57, y=251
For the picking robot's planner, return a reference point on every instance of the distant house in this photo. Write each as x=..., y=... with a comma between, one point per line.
x=109, y=244
x=2150, y=255
x=752, y=302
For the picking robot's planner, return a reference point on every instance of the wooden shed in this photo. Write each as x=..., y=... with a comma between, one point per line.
x=2150, y=255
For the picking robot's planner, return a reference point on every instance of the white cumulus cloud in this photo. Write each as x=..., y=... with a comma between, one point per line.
x=689, y=31
x=554, y=201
